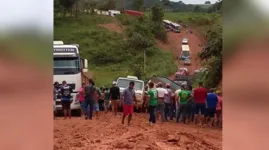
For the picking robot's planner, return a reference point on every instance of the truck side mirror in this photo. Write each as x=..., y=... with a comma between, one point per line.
x=85, y=64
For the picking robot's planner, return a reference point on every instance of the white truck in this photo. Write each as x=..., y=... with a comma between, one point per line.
x=69, y=66
x=123, y=83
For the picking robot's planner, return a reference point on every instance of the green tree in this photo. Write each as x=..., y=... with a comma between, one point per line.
x=157, y=15
x=138, y=4
x=196, y=8
x=165, y=2
x=67, y=6
x=207, y=2
x=212, y=55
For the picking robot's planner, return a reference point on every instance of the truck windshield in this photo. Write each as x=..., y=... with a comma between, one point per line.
x=65, y=65
x=185, y=53
x=124, y=83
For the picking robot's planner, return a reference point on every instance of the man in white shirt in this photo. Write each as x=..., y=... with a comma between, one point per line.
x=161, y=93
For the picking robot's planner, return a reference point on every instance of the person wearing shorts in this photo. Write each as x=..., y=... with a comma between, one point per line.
x=97, y=104
x=128, y=96
x=114, y=96
x=81, y=97
x=160, y=106
x=66, y=91
x=211, y=101
x=200, y=95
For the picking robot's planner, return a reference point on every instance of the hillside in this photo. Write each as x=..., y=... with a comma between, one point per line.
x=106, y=51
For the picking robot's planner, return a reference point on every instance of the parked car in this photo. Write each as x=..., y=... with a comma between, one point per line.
x=182, y=72
x=187, y=62
x=185, y=41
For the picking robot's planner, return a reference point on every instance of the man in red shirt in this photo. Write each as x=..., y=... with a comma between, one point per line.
x=200, y=95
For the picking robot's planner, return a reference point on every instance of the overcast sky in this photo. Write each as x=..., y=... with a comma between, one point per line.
x=39, y=13
x=195, y=1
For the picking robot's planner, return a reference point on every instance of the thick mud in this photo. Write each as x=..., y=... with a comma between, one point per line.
x=108, y=133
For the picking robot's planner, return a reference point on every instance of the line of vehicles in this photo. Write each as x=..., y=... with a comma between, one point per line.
x=172, y=26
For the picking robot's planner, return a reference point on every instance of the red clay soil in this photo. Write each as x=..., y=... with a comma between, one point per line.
x=108, y=133
x=174, y=45
x=24, y=88
x=112, y=27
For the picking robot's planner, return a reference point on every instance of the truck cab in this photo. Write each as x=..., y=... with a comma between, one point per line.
x=68, y=66
x=123, y=83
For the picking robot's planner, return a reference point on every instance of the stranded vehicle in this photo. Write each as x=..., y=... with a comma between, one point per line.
x=69, y=66
x=166, y=24
x=187, y=62
x=123, y=83
x=185, y=52
x=185, y=41
x=181, y=72
x=175, y=27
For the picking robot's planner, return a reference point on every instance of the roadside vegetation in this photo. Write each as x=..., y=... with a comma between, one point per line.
x=112, y=54
x=109, y=54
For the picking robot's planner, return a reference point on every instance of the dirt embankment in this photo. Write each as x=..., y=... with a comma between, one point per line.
x=112, y=27
x=108, y=133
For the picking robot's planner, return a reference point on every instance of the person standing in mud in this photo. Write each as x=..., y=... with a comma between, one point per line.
x=168, y=103
x=107, y=100
x=219, y=110
x=128, y=96
x=190, y=107
x=81, y=97
x=160, y=105
x=97, y=96
x=55, y=92
x=66, y=98
x=152, y=102
x=211, y=102
x=200, y=95
x=101, y=100
x=114, y=96
x=177, y=99
x=185, y=95
x=90, y=98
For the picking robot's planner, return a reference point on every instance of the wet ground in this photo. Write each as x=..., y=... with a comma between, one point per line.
x=108, y=133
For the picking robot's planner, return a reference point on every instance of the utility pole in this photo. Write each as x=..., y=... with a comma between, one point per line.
x=144, y=61
x=122, y=4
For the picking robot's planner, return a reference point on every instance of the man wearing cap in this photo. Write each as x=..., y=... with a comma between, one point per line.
x=114, y=96
x=168, y=103
x=66, y=99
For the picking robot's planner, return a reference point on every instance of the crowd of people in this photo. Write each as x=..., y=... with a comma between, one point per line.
x=198, y=106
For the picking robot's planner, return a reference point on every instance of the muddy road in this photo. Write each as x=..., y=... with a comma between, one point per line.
x=174, y=45
x=108, y=133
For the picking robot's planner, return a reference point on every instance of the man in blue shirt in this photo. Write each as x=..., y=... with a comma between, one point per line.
x=211, y=102
x=66, y=99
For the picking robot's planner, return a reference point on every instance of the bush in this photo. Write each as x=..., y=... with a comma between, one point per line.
x=124, y=19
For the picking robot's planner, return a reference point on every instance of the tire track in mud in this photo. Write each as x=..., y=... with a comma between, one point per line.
x=108, y=133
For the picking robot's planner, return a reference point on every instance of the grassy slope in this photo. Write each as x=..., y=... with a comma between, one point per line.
x=94, y=39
